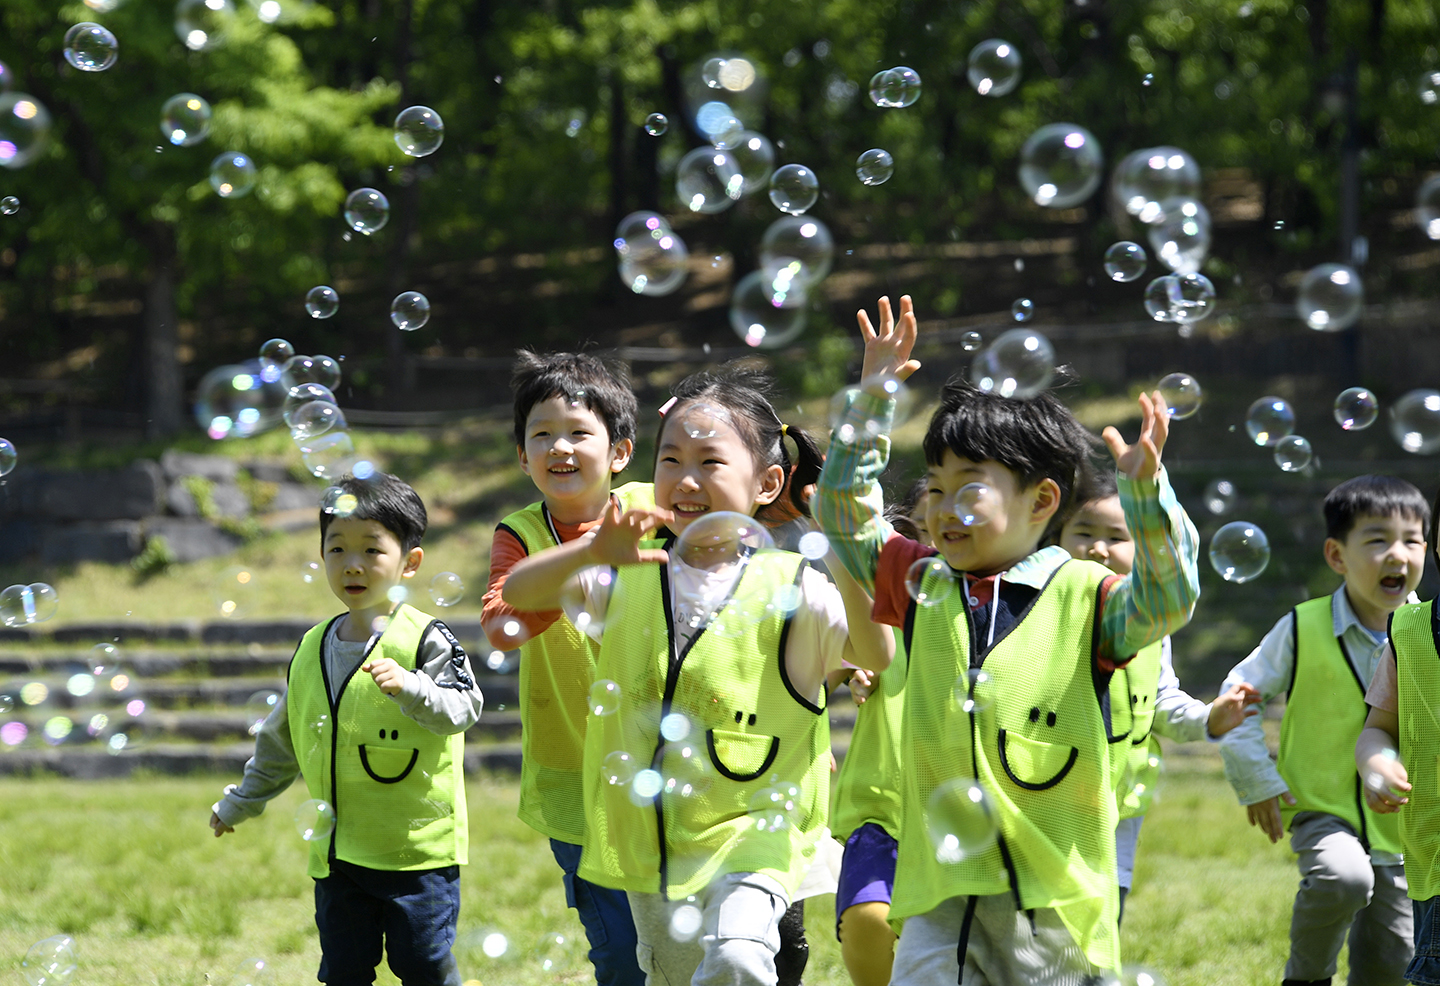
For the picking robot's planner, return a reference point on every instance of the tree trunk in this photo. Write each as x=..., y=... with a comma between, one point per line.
x=164, y=410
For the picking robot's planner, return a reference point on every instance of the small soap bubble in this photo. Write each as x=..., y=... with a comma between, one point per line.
x=736, y=74
x=717, y=540
x=973, y=504
x=24, y=128
x=971, y=341
x=1182, y=394
x=656, y=124
x=8, y=456
x=994, y=67
x=675, y=727
x=585, y=598
x=367, y=210
x=1022, y=310
x=1019, y=363
x=409, y=311
x=1060, y=165
x=14, y=733
x=447, y=589
x=201, y=23
x=618, y=768
x=960, y=819
x=1293, y=453
x=276, y=351
x=710, y=72
x=766, y=309
x=1136, y=976
x=874, y=167
x=80, y=684
x=50, y=962
x=1192, y=297
x=646, y=785
x=1415, y=421
x=1355, y=409
x=1125, y=261
x=258, y=708
x=9, y=205
x=794, y=188
x=604, y=697
x=315, y=418
x=232, y=175
x=34, y=693
x=185, y=119
x=1427, y=207
x=419, y=131
x=814, y=545
x=795, y=252
x=234, y=591
x=1179, y=233
x=1239, y=551
x=57, y=729
x=322, y=301
x=311, y=573
x=90, y=47
x=397, y=594
x=895, y=88
x=1269, y=419
x=1429, y=88
x=975, y=690
x=363, y=469
x=1148, y=79
x=339, y=503
x=1219, y=496
x=494, y=944
x=685, y=922
x=314, y=819
x=708, y=180
x=930, y=581
x=1331, y=297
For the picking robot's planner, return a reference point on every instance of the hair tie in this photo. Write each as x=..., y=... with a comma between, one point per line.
x=784, y=428
x=667, y=406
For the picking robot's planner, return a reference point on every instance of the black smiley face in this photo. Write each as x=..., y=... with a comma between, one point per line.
x=1034, y=762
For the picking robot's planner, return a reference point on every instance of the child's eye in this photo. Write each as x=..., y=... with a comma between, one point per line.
x=669, y=459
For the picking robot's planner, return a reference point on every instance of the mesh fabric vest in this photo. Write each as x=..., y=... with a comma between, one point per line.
x=556, y=670
x=1324, y=713
x=1132, y=718
x=1413, y=635
x=396, y=787
x=867, y=789
x=686, y=817
x=1040, y=750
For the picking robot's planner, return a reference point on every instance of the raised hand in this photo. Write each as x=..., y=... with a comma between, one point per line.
x=887, y=350
x=1142, y=460
x=617, y=540
x=1232, y=708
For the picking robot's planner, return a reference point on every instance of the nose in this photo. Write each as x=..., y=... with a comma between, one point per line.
x=688, y=484
x=1099, y=551
x=561, y=447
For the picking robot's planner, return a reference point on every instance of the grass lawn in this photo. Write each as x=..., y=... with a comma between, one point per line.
x=130, y=870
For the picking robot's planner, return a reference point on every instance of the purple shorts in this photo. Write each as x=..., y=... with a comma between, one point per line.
x=867, y=872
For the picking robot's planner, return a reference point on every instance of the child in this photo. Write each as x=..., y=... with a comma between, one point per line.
x=865, y=806
x=1039, y=904
x=384, y=748
x=1322, y=656
x=1145, y=695
x=715, y=671
x=574, y=431
x=1402, y=699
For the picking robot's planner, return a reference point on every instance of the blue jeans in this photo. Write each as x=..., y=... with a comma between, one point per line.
x=605, y=913
x=412, y=912
x=1425, y=966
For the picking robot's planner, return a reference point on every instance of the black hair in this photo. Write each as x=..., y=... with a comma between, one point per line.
x=602, y=387
x=1035, y=438
x=899, y=511
x=388, y=500
x=1377, y=496
x=1097, y=482
x=744, y=392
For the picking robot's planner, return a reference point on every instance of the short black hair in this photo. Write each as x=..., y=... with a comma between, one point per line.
x=1376, y=496
x=602, y=387
x=1097, y=482
x=1035, y=438
x=388, y=500
x=898, y=511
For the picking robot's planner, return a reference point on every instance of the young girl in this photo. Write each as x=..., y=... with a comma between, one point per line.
x=707, y=755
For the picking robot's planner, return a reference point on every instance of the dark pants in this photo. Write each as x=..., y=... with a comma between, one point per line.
x=413, y=913
x=605, y=913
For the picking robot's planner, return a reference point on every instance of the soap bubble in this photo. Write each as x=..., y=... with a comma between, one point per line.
x=9, y=205
x=874, y=167
x=686, y=770
x=276, y=351
x=410, y=311
x=552, y=952
x=238, y=401
x=974, y=690
x=1182, y=394
x=960, y=819
x=639, y=225
x=714, y=541
x=930, y=581
x=50, y=962
x=604, y=697
x=419, y=131
x=814, y=545
x=893, y=88
x=1293, y=453
x=1022, y=310
x=1020, y=363
x=311, y=573
x=736, y=74
x=322, y=301
x=366, y=210
x=446, y=589
x=1146, y=178
x=8, y=457
x=1415, y=421
x=185, y=119
x=1429, y=88
x=1180, y=235
x=675, y=727
x=1427, y=207
x=90, y=47
x=882, y=385
x=708, y=180
x=776, y=808
x=710, y=71
x=1192, y=297
x=302, y=394
x=685, y=922
x=24, y=128
x=754, y=155
x=618, y=769
x=973, y=504
x=656, y=124
x=971, y=341
x=1136, y=976
x=1355, y=409
x=329, y=456
x=232, y=175
x=1157, y=297
x=252, y=972
x=795, y=238
x=1125, y=261
x=701, y=420
x=201, y=23
x=719, y=123
x=585, y=597
x=235, y=590
x=339, y=503
x=21, y=605
x=794, y=188
x=763, y=316
x=14, y=733
x=1330, y=298
x=80, y=684
x=494, y=944
x=314, y=418
x=994, y=67
x=1268, y=420
x=1219, y=496
x=1239, y=551
x=314, y=819
x=1060, y=165
x=653, y=263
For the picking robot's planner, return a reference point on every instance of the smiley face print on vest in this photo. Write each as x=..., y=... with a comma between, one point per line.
x=388, y=761
x=1035, y=756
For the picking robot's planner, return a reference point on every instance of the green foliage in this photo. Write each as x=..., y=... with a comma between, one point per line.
x=202, y=491
x=154, y=558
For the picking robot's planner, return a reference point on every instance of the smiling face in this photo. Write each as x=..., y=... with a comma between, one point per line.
x=695, y=476
x=1382, y=559
x=1097, y=532
x=569, y=455
x=1009, y=520
x=363, y=562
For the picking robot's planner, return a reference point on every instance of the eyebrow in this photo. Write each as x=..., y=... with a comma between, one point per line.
x=364, y=537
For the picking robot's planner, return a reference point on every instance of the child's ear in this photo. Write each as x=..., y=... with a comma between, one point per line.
x=620, y=455
x=1046, y=501
x=412, y=562
x=1335, y=555
x=772, y=484
x=524, y=459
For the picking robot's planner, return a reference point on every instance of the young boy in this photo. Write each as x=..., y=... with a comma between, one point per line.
x=574, y=431
x=1145, y=696
x=1039, y=904
x=1322, y=655
x=376, y=705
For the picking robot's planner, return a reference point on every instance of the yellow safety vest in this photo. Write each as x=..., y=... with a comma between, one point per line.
x=1413, y=630
x=1133, y=691
x=867, y=789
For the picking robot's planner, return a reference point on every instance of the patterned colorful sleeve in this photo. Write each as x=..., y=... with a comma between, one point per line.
x=848, y=503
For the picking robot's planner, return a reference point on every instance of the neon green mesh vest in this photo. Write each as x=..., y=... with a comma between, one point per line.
x=1132, y=720
x=1413, y=631
x=556, y=670
x=867, y=789
x=396, y=787
x=686, y=817
x=1324, y=713
x=1040, y=751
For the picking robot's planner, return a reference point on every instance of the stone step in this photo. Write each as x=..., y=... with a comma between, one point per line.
x=211, y=692
x=279, y=633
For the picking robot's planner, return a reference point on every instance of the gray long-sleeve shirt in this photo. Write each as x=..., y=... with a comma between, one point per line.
x=442, y=696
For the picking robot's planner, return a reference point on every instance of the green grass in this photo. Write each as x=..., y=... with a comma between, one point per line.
x=131, y=871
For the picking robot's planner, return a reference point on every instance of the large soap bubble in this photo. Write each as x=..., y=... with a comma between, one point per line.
x=794, y=188
x=1019, y=363
x=1191, y=296
x=714, y=541
x=1239, y=551
x=1180, y=236
x=1182, y=394
x=419, y=131
x=237, y=401
x=961, y=820
x=1415, y=421
x=766, y=310
x=1060, y=165
x=50, y=962
x=24, y=128
x=653, y=259
x=201, y=24
x=1146, y=178
x=994, y=67
x=1269, y=419
x=185, y=119
x=367, y=210
x=802, y=239
x=755, y=156
x=708, y=180
x=90, y=47
x=1331, y=297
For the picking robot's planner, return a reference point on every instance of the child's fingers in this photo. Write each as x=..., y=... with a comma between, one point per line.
x=867, y=331
x=887, y=318
x=652, y=555
x=1114, y=442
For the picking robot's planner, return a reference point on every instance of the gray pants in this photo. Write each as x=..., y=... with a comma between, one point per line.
x=1003, y=950
x=1342, y=893
x=737, y=941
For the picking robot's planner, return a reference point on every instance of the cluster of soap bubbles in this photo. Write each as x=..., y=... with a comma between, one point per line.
x=652, y=258
x=90, y=699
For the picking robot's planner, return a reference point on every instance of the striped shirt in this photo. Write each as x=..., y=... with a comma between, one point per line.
x=1157, y=598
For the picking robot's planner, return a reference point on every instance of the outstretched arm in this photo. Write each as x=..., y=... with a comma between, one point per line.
x=871, y=645
x=535, y=583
